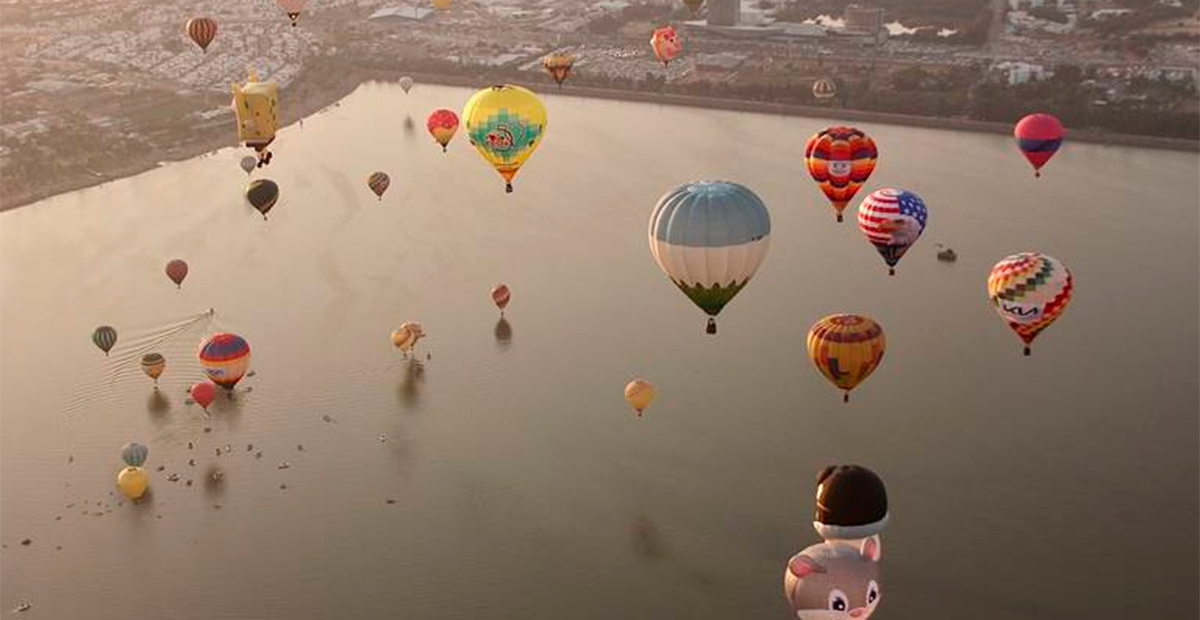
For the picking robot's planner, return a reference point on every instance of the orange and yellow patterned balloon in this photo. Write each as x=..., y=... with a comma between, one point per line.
x=442, y=125
x=666, y=44
x=1030, y=290
x=846, y=348
x=840, y=160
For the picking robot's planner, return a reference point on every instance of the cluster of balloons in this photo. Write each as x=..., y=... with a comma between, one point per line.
x=406, y=336
x=132, y=479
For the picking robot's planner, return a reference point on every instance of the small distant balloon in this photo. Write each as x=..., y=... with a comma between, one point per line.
x=133, y=482
x=105, y=337
x=203, y=393
x=379, y=182
x=665, y=44
x=406, y=336
x=558, y=65
x=248, y=164
x=202, y=30
x=153, y=364
x=134, y=454
x=440, y=5
x=846, y=348
x=292, y=8
x=501, y=296
x=262, y=194
x=639, y=393
x=442, y=125
x=1039, y=136
x=406, y=83
x=177, y=270
x=824, y=89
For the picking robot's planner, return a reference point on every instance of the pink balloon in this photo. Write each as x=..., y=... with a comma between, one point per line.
x=203, y=393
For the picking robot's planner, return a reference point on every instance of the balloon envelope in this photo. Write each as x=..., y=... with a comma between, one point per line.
x=134, y=454
x=176, y=270
x=202, y=30
x=639, y=393
x=1030, y=290
x=248, y=164
x=442, y=125
x=710, y=237
x=824, y=89
x=225, y=358
x=846, y=348
x=256, y=106
x=406, y=83
x=665, y=44
x=104, y=337
x=292, y=8
x=501, y=295
x=262, y=194
x=505, y=124
x=1039, y=136
x=558, y=66
x=406, y=336
x=153, y=364
x=133, y=482
x=378, y=182
x=892, y=220
x=840, y=159
x=203, y=393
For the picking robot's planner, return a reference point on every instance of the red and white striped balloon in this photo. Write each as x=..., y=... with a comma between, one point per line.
x=501, y=295
x=202, y=30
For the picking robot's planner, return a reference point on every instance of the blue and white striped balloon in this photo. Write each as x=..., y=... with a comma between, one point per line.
x=134, y=454
x=710, y=237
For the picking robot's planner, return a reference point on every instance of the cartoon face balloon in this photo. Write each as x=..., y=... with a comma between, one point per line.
x=834, y=581
x=666, y=44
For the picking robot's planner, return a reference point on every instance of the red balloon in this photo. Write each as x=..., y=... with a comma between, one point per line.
x=177, y=270
x=501, y=295
x=203, y=393
x=1039, y=136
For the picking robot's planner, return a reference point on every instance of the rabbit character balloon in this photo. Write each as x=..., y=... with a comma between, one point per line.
x=833, y=581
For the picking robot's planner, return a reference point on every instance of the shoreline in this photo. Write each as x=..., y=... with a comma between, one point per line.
x=307, y=97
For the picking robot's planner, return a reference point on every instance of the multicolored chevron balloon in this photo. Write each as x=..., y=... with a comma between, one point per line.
x=1030, y=291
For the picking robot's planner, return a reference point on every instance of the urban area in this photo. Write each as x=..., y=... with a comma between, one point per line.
x=96, y=89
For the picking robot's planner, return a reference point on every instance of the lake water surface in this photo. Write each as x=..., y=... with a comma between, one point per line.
x=1063, y=485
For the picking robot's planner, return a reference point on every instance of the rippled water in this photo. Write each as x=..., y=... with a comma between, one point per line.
x=1060, y=485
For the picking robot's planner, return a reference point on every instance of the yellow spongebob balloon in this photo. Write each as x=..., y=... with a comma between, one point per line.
x=505, y=124
x=257, y=107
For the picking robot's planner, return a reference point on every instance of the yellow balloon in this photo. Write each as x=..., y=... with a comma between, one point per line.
x=440, y=4
x=505, y=124
x=638, y=394
x=133, y=482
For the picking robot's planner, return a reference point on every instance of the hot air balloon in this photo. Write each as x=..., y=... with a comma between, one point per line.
x=406, y=84
x=406, y=336
x=834, y=580
x=709, y=237
x=1039, y=137
x=202, y=30
x=693, y=5
x=851, y=504
x=256, y=105
x=440, y=5
x=153, y=364
x=442, y=125
x=892, y=220
x=500, y=296
x=558, y=66
x=1030, y=290
x=105, y=337
x=133, y=482
x=840, y=160
x=134, y=454
x=225, y=358
x=846, y=348
x=505, y=124
x=262, y=195
x=177, y=270
x=378, y=182
x=824, y=89
x=293, y=8
x=639, y=393
x=666, y=44
x=248, y=163
x=203, y=393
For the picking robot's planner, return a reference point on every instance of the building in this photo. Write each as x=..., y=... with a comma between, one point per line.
x=724, y=12
x=1016, y=72
x=863, y=20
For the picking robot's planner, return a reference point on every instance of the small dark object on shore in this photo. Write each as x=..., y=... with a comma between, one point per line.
x=157, y=516
x=191, y=446
x=208, y=429
x=300, y=447
x=283, y=487
x=173, y=478
x=391, y=501
x=189, y=483
x=161, y=468
x=26, y=542
x=258, y=455
x=946, y=254
x=24, y=606
x=192, y=462
x=58, y=518
x=70, y=458
x=249, y=447
x=284, y=465
x=217, y=506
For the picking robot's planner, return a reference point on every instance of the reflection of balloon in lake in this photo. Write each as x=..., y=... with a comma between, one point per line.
x=503, y=333
x=214, y=480
x=647, y=541
x=408, y=124
x=410, y=385
x=158, y=403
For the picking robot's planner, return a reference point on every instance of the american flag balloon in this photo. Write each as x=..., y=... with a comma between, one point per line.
x=892, y=220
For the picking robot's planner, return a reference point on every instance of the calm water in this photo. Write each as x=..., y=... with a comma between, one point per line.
x=1063, y=485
